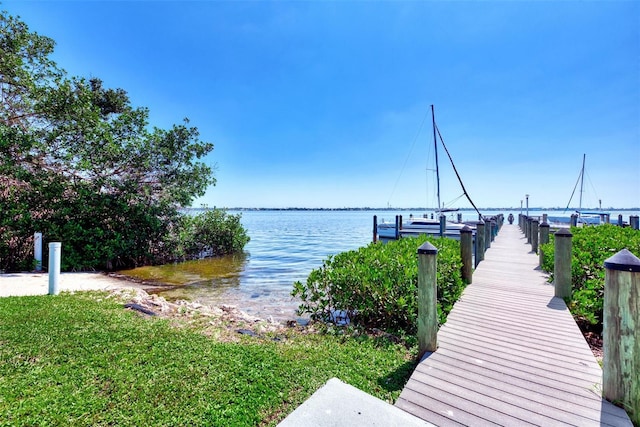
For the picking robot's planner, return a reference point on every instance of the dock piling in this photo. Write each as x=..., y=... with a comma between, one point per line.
x=480, y=242
x=544, y=239
x=621, y=332
x=534, y=235
x=466, y=253
x=562, y=263
x=375, y=228
x=427, y=299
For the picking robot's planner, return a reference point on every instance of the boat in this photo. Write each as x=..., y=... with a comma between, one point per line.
x=429, y=225
x=580, y=217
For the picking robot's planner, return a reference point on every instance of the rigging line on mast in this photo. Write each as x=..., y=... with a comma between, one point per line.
x=573, y=192
x=404, y=165
x=456, y=170
x=580, y=179
x=435, y=149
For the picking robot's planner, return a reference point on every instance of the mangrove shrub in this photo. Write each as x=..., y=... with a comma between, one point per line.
x=376, y=285
x=591, y=246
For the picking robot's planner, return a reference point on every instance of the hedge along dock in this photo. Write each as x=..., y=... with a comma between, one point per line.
x=510, y=353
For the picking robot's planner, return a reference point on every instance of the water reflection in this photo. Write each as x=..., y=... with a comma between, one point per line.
x=212, y=273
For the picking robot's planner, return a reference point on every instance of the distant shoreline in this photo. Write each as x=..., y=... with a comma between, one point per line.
x=393, y=209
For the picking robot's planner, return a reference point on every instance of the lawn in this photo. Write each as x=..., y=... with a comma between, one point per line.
x=82, y=359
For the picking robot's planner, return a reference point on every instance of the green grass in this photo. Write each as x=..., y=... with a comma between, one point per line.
x=84, y=360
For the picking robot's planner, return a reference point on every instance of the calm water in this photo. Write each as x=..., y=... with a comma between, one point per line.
x=285, y=246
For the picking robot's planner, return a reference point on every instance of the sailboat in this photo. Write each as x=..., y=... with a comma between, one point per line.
x=437, y=226
x=582, y=217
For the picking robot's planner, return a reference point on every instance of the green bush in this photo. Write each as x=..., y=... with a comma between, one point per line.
x=215, y=230
x=376, y=285
x=591, y=246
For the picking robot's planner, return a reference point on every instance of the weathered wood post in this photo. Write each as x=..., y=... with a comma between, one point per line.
x=494, y=229
x=487, y=235
x=562, y=263
x=534, y=235
x=634, y=222
x=466, y=253
x=459, y=218
x=574, y=220
x=55, y=252
x=397, y=227
x=621, y=333
x=443, y=225
x=37, y=250
x=375, y=228
x=427, y=296
x=479, y=242
x=529, y=221
x=620, y=221
x=544, y=239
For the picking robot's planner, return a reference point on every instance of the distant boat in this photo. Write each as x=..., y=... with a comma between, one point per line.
x=582, y=217
x=424, y=225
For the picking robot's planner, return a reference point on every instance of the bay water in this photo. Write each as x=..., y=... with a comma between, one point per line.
x=285, y=247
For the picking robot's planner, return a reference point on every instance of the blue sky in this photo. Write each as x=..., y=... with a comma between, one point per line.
x=319, y=104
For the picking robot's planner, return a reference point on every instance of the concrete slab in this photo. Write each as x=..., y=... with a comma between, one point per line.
x=339, y=404
x=21, y=284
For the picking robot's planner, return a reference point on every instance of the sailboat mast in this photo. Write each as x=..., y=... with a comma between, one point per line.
x=582, y=180
x=435, y=147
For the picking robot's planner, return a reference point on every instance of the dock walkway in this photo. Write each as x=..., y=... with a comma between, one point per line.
x=510, y=353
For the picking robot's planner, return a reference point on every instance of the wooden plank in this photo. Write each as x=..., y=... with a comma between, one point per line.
x=509, y=339
x=547, y=401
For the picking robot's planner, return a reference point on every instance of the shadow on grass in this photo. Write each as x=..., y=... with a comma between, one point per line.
x=396, y=380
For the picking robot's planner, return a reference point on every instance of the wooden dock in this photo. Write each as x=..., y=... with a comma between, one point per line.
x=510, y=353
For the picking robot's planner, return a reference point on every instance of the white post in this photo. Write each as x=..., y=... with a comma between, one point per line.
x=37, y=250
x=55, y=251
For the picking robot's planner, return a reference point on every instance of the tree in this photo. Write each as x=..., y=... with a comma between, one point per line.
x=80, y=163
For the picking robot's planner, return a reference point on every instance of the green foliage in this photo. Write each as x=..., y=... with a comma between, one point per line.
x=377, y=284
x=80, y=164
x=591, y=246
x=74, y=360
x=215, y=230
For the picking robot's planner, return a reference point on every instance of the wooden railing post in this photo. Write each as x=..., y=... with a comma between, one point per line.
x=466, y=253
x=398, y=226
x=479, y=242
x=375, y=228
x=562, y=263
x=544, y=239
x=621, y=333
x=494, y=229
x=529, y=221
x=534, y=235
x=634, y=222
x=427, y=299
x=574, y=220
x=443, y=225
x=487, y=234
